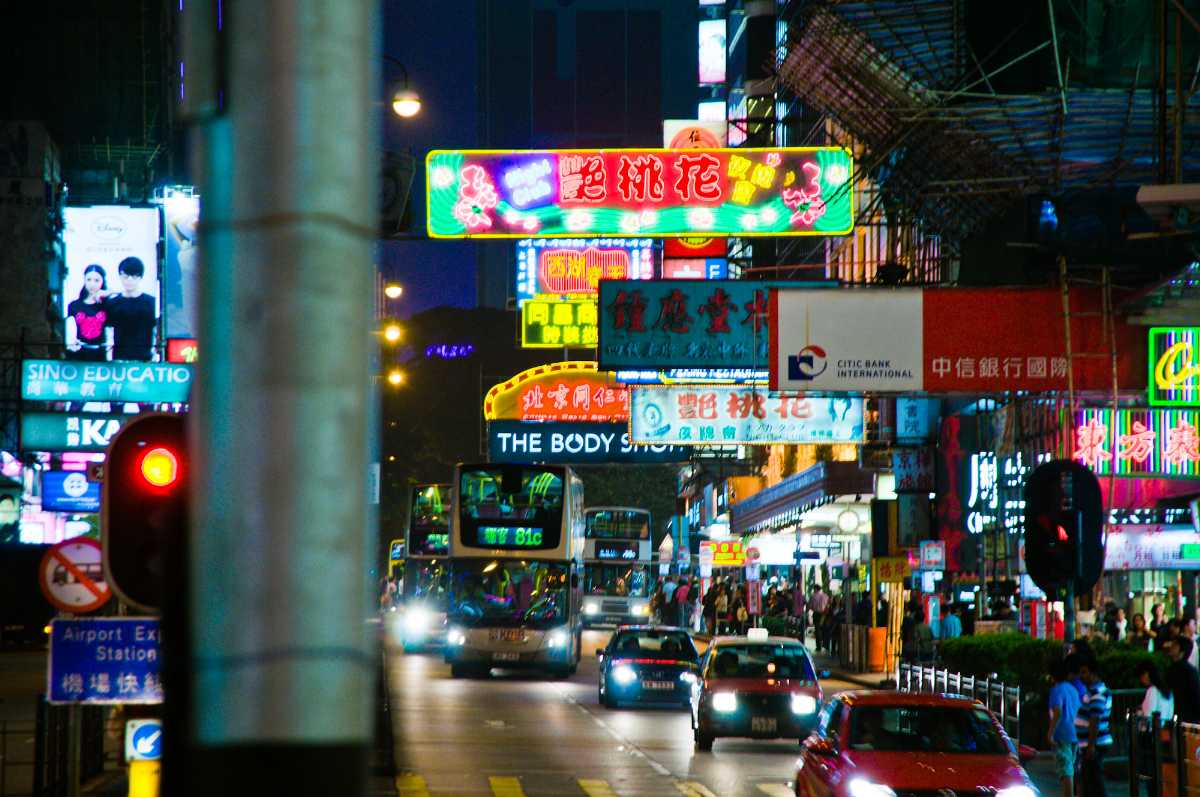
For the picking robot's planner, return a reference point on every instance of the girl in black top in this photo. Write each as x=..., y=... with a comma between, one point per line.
x=87, y=319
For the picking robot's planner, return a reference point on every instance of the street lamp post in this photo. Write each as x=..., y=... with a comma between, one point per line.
x=406, y=103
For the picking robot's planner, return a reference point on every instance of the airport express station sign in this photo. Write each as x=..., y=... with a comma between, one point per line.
x=644, y=193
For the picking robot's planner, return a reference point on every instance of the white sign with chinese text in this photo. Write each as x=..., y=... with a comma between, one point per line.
x=723, y=415
x=1151, y=548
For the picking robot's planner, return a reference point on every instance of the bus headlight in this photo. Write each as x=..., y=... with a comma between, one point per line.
x=417, y=620
x=642, y=609
x=804, y=704
x=456, y=637
x=591, y=607
x=724, y=702
x=557, y=638
x=624, y=674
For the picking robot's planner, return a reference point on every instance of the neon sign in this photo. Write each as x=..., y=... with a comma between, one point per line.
x=566, y=391
x=449, y=351
x=1139, y=442
x=574, y=267
x=557, y=322
x=654, y=193
x=1174, y=366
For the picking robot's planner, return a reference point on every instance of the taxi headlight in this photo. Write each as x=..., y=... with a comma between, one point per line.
x=591, y=607
x=557, y=638
x=724, y=702
x=416, y=620
x=624, y=674
x=642, y=609
x=1020, y=790
x=456, y=636
x=688, y=677
x=865, y=788
x=807, y=704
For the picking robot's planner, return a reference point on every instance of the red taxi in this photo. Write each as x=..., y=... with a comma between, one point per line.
x=755, y=686
x=897, y=744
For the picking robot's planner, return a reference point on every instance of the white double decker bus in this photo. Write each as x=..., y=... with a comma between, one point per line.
x=616, y=562
x=516, y=567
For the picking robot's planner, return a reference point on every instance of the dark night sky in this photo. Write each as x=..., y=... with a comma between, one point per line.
x=436, y=41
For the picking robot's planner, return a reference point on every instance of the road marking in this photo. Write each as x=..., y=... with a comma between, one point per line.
x=409, y=784
x=596, y=788
x=506, y=787
x=633, y=748
x=692, y=788
x=775, y=789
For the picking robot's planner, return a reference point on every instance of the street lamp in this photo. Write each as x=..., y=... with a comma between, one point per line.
x=393, y=290
x=406, y=103
x=391, y=333
x=395, y=377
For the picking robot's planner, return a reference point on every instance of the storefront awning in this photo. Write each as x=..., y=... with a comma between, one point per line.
x=783, y=504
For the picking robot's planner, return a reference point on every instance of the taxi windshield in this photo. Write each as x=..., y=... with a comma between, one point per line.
x=925, y=729
x=761, y=661
x=509, y=592
x=653, y=644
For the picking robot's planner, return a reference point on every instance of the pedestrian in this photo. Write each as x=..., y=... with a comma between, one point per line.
x=693, y=606
x=1158, y=618
x=1188, y=631
x=820, y=603
x=668, y=591
x=1117, y=625
x=952, y=626
x=800, y=610
x=682, y=616
x=1064, y=705
x=657, y=598
x=721, y=610
x=1183, y=681
x=1158, y=698
x=1139, y=635
x=1097, y=712
x=833, y=626
x=741, y=614
x=710, y=608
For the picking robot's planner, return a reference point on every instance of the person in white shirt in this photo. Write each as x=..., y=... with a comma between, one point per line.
x=1158, y=697
x=1189, y=631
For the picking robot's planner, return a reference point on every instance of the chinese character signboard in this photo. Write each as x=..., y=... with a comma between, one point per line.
x=573, y=443
x=1150, y=549
x=55, y=431
x=104, y=660
x=150, y=383
x=727, y=553
x=722, y=415
x=914, y=470
x=566, y=391
x=891, y=569
x=947, y=340
x=686, y=323
x=574, y=267
x=1174, y=366
x=933, y=555
x=645, y=193
x=1164, y=443
x=556, y=322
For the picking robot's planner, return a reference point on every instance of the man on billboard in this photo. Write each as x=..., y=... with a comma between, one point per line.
x=88, y=335
x=131, y=314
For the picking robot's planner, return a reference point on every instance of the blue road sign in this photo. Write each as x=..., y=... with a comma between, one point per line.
x=143, y=740
x=105, y=660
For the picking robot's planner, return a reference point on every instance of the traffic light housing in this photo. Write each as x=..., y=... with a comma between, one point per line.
x=1064, y=523
x=144, y=509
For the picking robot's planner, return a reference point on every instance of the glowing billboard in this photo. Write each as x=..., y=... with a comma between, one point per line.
x=574, y=267
x=646, y=193
x=566, y=391
x=1174, y=366
x=557, y=322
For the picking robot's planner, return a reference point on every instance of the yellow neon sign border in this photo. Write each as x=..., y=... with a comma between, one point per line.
x=1154, y=392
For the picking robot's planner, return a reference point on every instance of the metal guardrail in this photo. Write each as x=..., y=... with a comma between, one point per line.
x=1003, y=700
x=1163, y=757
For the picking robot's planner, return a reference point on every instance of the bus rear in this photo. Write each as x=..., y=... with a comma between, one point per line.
x=616, y=566
x=516, y=557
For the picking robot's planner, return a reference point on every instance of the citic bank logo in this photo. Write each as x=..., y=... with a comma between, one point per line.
x=807, y=364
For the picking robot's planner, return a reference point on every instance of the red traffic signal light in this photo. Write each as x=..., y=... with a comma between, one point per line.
x=159, y=467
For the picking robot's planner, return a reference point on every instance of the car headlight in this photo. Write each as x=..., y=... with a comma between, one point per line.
x=557, y=638
x=807, y=704
x=642, y=609
x=865, y=788
x=688, y=677
x=456, y=636
x=724, y=702
x=1020, y=790
x=624, y=674
x=416, y=621
x=591, y=608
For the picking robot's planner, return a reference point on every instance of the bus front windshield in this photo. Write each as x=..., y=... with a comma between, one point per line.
x=621, y=580
x=618, y=524
x=509, y=592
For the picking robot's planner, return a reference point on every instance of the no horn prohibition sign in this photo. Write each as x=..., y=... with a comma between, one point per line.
x=72, y=576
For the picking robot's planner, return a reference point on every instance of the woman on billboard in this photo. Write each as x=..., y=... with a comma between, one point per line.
x=89, y=337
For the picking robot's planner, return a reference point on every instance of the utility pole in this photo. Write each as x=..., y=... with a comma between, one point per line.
x=281, y=97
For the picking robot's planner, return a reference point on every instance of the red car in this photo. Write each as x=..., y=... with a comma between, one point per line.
x=757, y=686
x=897, y=744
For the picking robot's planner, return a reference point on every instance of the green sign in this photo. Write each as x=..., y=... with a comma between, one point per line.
x=63, y=431
x=1189, y=550
x=1174, y=366
x=70, y=380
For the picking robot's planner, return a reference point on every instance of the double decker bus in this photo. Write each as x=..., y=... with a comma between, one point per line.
x=616, y=563
x=426, y=567
x=516, y=566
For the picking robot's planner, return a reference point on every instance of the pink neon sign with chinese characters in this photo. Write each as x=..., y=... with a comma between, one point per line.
x=1138, y=442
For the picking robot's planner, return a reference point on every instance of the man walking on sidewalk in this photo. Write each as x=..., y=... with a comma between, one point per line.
x=820, y=603
x=1064, y=705
x=1096, y=712
x=800, y=610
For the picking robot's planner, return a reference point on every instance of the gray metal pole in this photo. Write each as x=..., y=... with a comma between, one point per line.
x=287, y=159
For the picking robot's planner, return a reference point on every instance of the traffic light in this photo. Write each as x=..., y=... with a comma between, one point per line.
x=1063, y=527
x=144, y=510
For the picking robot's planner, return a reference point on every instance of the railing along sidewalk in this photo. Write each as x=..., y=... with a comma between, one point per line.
x=1001, y=699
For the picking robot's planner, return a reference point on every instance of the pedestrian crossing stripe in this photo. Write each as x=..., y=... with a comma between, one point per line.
x=775, y=789
x=505, y=786
x=409, y=784
x=691, y=788
x=596, y=788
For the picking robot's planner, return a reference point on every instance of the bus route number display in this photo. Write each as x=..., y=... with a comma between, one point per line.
x=509, y=536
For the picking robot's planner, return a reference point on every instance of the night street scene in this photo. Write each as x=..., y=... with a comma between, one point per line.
x=601, y=398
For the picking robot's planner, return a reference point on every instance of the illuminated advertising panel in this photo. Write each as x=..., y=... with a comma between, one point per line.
x=149, y=383
x=566, y=391
x=574, y=267
x=69, y=491
x=181, y=219
x=712, y=51
x=556, y=442
x=182, y=350
x=510, y=537
x=687, y=268
x=63, y=431
x=1139, y=442
x=1174, y=366
x=110, y=298
x=645, y=193
x=721, y=415
x=557, y=322
x=691, y=376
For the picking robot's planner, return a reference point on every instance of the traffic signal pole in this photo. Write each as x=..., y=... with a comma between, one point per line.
x=281, y=98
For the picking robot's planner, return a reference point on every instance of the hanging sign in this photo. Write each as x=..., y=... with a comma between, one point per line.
x=653, y=193
x=573, y=443
x=933, y=554
x=1174, y=366
x=728, y=553
x=558, y=322
x=892, y=569
x=58, y=431
x=565, y=391
x=1138, y=442
x=105, y=660
x=575, y=266
x=66, y=380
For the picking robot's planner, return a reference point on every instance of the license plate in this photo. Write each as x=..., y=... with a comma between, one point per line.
x=657, y=685
x=763, y=724
x=507, y=634
x=506, y=656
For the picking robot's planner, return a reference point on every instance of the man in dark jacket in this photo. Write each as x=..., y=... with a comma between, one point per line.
x=1183, y=680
